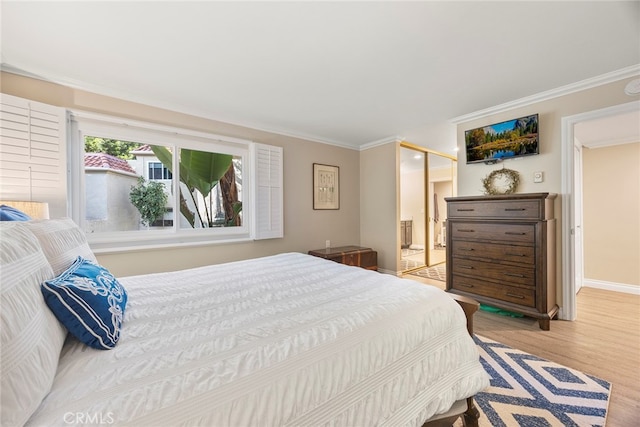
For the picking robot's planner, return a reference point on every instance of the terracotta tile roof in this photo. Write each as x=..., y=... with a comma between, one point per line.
x=107, y=161
x=145, y=148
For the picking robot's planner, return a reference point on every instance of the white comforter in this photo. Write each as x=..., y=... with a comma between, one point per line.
x=287, y=340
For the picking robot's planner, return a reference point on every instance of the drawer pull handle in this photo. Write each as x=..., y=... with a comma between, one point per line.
x=512, y=254
x=466, y=249
x=466, y=267
x=514, y=233
x=515, y=275
x=515, y=296
x=514, y=209
x=466, y=210
x=466, y=230
x=466, y=285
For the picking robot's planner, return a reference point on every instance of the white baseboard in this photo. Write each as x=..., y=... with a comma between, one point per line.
x=393, y=273
x=612, y=286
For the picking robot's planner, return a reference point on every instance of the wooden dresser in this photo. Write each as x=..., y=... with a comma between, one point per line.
x=501, y=252
x=350, y=255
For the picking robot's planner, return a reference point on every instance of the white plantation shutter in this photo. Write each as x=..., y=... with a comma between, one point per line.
x=268, y=191
x=32, y=153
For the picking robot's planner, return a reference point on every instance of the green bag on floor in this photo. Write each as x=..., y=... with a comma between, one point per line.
x=499, y=311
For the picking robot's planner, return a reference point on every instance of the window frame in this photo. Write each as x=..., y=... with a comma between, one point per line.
x=162, y=168
x=90, y=124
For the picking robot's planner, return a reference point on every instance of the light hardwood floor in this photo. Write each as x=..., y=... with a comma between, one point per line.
x=604, y=341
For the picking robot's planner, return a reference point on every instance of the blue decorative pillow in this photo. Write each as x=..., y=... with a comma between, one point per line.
x=89, y=302
x=9, y=213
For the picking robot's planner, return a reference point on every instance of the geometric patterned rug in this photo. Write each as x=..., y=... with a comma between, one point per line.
x=437, y=272
x=529, y=391
x=409, y=251
x=409, y=261
x=408, y=264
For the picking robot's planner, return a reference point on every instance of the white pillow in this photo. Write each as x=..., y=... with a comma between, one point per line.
x=31, y=337
x=62, y=242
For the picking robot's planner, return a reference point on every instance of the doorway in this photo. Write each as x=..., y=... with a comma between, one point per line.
x=572, y=241
x=426, y=179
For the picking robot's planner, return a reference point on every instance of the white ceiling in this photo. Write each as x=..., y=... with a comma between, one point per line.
x=345, y=73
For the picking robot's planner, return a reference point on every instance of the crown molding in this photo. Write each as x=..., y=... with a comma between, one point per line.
x=611, y=142
x=382, y=141
x=590, y=83
x=627, y=72
x=126, y=96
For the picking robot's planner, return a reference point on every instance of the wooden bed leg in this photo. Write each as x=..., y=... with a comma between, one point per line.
x=471, y=415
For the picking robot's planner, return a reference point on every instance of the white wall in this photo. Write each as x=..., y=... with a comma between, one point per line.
x=304, y=228
x=549, y=160
x=380, y=204
x=611, y=214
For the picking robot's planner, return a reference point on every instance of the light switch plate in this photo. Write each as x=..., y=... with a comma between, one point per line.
x=538, y=177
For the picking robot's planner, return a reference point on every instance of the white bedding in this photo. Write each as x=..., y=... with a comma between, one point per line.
x=284, y=340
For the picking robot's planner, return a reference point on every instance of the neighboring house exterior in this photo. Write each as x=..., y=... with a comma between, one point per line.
x=147, y=165
x=108, y=180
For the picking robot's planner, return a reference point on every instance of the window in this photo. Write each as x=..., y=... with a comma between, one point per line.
x=158, y=172
x=139, y=184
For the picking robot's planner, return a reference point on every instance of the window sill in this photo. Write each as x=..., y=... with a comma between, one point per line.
x=124, y=242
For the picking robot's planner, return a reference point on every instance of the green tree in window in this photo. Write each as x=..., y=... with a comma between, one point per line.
x=114, y=147
x=150, y=200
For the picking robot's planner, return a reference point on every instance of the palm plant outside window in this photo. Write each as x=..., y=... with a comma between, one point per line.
x=209, y=187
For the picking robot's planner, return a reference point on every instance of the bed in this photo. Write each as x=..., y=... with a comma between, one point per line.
x=283, y=340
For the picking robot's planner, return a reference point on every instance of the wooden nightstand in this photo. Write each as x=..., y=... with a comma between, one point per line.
x=350, y=255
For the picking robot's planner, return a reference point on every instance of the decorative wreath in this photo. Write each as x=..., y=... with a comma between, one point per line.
x=511, y=177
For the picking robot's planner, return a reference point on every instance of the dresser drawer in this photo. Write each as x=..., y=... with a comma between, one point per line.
x=515, y=233
x=520, y=296
x=497, y=272
x=498, y=209
x=493, y=251
x=365, y=259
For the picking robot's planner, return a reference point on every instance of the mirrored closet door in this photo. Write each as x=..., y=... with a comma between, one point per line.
x=426, y=178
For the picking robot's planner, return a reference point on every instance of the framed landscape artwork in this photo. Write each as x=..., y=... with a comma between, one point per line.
x=502, y=141
x=326, y=186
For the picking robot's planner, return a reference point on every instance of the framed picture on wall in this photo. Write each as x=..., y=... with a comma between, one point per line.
x=326, y=186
